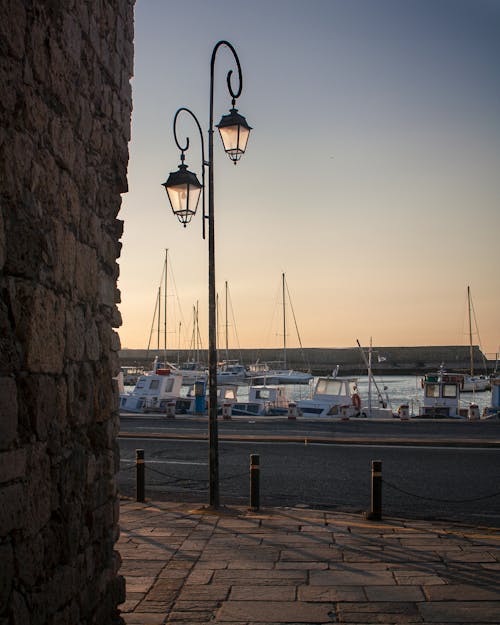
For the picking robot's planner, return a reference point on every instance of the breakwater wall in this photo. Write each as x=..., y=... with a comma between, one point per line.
x=321, y=361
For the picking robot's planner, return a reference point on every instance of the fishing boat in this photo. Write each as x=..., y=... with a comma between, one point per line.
x=369, y=410
x=263, y=400
x=442, y=396
x=131, y=375
x=153, y=390
x=196, y=399
x=231, y=371
x=333, y=396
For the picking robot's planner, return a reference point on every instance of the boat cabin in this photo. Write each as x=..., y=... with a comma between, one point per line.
x=442, y=396
x=152, y=392
x=332, y=397
x=263, y=401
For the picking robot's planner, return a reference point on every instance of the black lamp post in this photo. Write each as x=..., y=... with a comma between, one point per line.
x=183, y=190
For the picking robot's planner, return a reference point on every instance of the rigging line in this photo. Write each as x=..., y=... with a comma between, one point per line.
x=234, y=326
x=176, y=293
x=152, y=326
x=478, y=337
x=296, y=326
x=269, y=334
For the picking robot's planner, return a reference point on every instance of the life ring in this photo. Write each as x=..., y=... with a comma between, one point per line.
x=356, y=401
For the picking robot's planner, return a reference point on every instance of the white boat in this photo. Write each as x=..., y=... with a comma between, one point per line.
x=227, y=394
x=472, y=382
x=383, y=410
x=230, y=371
x=192, y=372
x=278, y=373
x=475, y=383
x=493, y=411
x=131, y=375
x=153, y=391
x=333, y=396
x=442, y=396
x=263, y=400
x=270, y=373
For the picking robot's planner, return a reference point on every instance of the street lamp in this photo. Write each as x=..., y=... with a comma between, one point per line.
x=184, y=190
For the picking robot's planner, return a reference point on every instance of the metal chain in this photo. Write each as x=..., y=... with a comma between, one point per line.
x=405, y=492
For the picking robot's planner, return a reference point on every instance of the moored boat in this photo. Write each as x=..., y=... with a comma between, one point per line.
x=493, y=411
x=442, y=396
x=333, y=396
x=153, y=390
x=263, y=400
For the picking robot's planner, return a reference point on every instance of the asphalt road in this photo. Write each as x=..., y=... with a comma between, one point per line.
x=425, y=480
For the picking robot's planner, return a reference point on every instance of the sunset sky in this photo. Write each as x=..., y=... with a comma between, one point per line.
x=371, y=178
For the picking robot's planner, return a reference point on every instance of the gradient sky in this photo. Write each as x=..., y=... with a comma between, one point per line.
x=371, y=178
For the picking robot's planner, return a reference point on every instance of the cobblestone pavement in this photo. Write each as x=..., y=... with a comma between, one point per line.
x=185, y=565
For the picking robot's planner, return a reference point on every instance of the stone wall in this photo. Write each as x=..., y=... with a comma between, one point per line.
x=65, y=106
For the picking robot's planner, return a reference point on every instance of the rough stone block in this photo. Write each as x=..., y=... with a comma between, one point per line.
x=12, y=464
x=13, y=500
x=8, y=411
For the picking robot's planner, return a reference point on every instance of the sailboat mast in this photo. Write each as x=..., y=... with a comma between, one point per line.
x=165, y=309
x=470, y=333
x=227, y=330
x=370, y=351
x=159, y=321
x=284, y=320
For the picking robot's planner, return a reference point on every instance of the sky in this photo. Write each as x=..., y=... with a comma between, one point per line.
x=371, y=177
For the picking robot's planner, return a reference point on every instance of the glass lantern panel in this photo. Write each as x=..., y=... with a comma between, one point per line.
x=184, y=198
x=234, y=139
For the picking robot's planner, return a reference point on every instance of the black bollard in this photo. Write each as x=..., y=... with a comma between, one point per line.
x=375, y=512
x=140, y=471
x=254, y=482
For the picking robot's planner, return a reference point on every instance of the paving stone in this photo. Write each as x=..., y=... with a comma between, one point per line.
x=150, y=607
x=331, y=593
x=264, y=578
x=394, y=593
x=306, y=565
x=139, y=584
x=251, y=565
x=210, y=592
x=462, y=592
x=139, y=568
x=351, y=577
x=201, y=576
x=141, y=618
x=416, y=578
x=309, y=554
x=460, y=611
x=132, y=601
x=263, y=593
x=468, y=556
x=274, y=612
x=378, y=612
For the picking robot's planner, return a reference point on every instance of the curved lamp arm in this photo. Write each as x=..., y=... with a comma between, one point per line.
x=184, y=148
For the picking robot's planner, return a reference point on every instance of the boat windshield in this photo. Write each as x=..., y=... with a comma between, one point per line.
x=432, y=390
x=335, y=387
x=449, y=390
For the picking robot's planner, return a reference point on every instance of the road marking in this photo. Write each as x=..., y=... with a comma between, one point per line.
x=198, y=464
